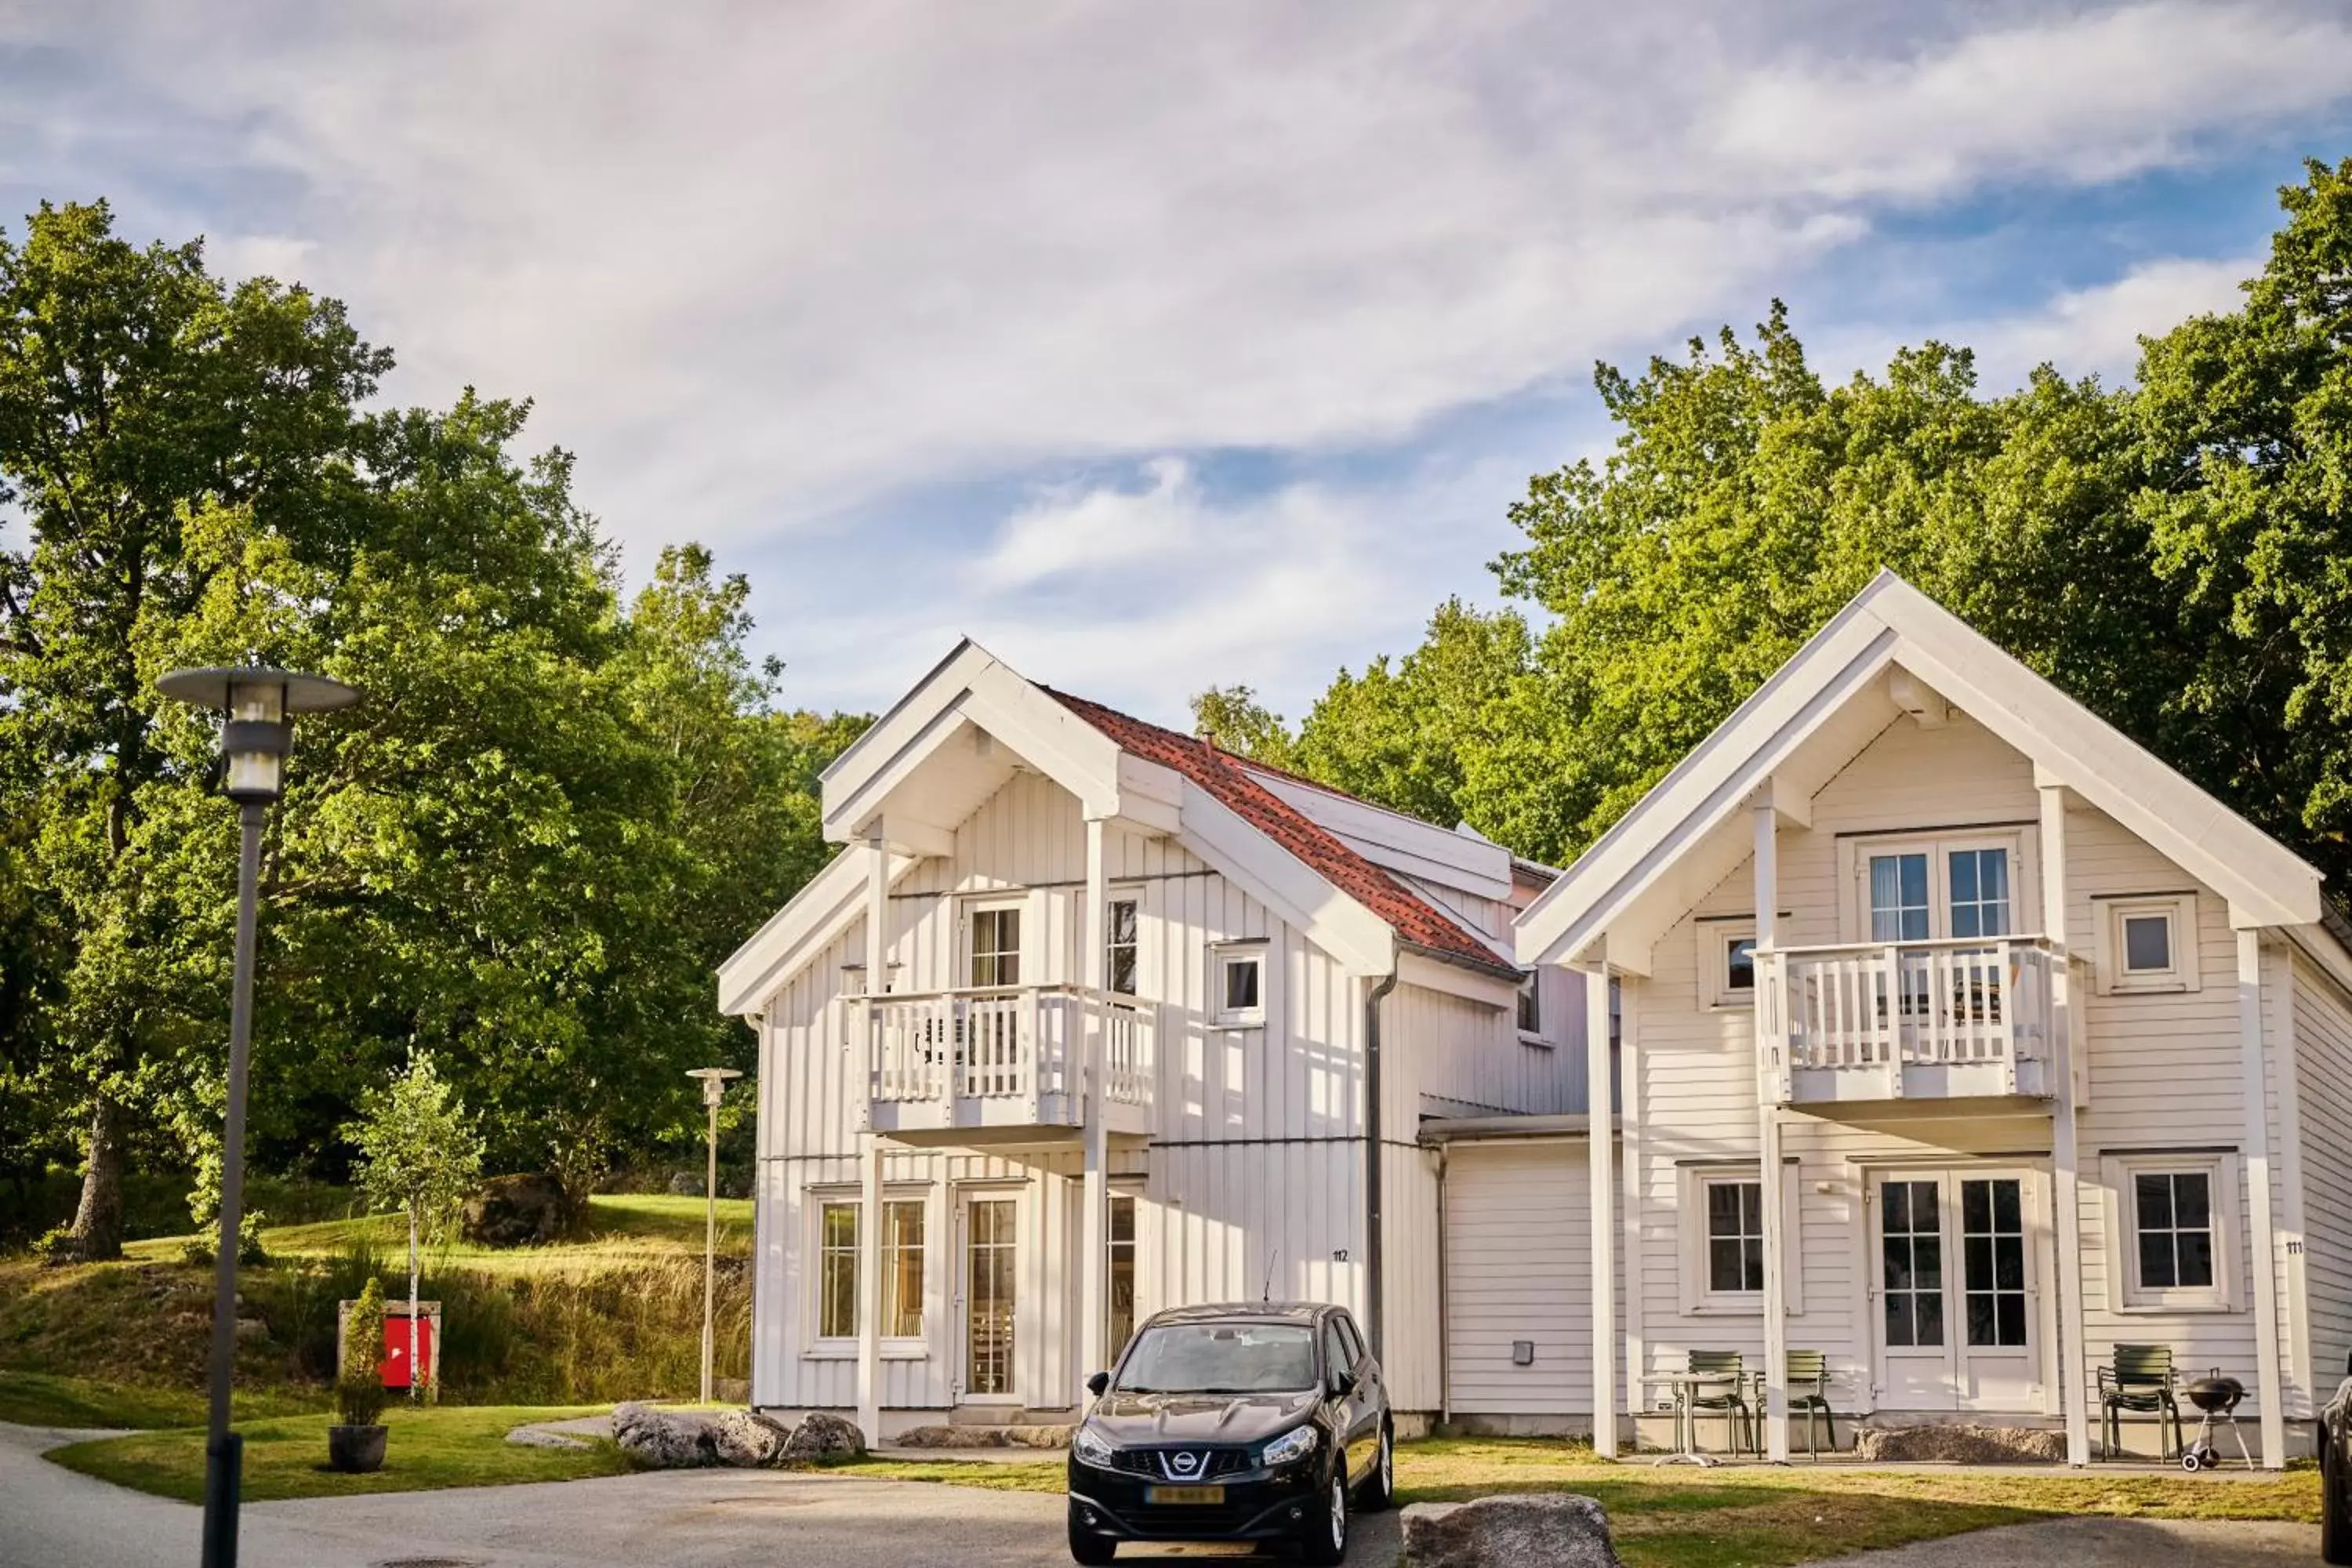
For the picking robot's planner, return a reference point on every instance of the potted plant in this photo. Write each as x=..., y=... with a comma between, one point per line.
x=357, y=1444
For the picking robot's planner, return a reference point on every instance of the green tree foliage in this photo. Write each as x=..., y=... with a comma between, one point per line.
x=1232, y=719
x=2174, y=553
x=420, y=1157
x=359, y=1385
x=554, y=811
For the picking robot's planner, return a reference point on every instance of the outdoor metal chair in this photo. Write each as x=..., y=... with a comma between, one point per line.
x=1809, y=1391
x=1732, y=1403
x=2138, y=1382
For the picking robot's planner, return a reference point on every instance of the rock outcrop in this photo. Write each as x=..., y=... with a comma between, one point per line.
x=1537, y=1530
x=1960, y=1445
x=515, y=1211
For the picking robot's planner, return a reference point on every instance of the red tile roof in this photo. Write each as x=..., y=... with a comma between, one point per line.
x=1412, y=917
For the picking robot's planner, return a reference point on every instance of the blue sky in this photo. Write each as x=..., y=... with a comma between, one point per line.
x=1165, y=346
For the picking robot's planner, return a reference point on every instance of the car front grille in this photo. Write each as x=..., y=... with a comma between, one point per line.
x=1166, y=1465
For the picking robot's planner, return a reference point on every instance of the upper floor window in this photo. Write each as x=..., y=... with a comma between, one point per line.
x=1726, y=959
x=1938, y=889
x=2147, y=943
x=1122, y=946
x=1531, y=1004
x=996, y=946
x=1237, y=981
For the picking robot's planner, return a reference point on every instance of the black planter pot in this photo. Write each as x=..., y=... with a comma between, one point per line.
x=355, y=1450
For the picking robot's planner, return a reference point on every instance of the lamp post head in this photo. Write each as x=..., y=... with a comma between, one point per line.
x=258, y=705
x=714, y=1082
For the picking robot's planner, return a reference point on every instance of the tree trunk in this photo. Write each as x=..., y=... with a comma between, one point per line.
x=97, y=1232
x=415, y=1368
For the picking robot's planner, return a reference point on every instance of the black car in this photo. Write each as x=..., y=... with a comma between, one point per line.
x=1260, y=1422
x=2336, y=1474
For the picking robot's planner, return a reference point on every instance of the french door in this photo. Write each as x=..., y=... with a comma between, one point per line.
x=1953, y=1305
x=986, y=1289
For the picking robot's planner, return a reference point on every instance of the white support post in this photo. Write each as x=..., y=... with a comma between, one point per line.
x=869, y=1221
x=1599, y=1144
x=2065, y=1149
x=1093, y=1283
x=1768, y=1151
x=2270, y=1382
x=1630, y=1193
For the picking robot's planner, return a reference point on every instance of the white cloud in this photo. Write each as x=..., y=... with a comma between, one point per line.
x=768, y=269
x=2093, y=329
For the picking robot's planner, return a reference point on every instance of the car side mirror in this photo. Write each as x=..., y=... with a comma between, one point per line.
x=1343, y=1384
x=1097, y=1382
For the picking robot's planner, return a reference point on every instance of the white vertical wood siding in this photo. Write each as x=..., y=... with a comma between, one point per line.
x=1254, y=1172
x=2322, y=1055
x=2163, y=1068
x=1518, y=1266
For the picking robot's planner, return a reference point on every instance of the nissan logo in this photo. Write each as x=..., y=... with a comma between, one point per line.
x=1183, y=1466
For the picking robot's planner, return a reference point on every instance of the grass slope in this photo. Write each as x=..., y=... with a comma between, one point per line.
x=446, y=1446
x=46, y=1399
x=1758, y=1517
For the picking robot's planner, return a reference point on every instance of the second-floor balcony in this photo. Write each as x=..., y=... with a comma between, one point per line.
x=1909, y=1020
x=1005, y=1061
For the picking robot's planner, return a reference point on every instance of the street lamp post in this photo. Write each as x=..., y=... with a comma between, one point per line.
x=714, y=1088
x=258, y=705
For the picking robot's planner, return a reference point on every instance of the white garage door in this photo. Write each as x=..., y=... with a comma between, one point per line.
x=1518, y=1270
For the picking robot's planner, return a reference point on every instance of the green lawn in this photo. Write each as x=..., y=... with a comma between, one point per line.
x=625, y=1228
x=447, y=1446
x=1758, y=1517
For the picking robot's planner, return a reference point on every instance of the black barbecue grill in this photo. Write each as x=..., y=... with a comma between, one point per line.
x=2217, y=1398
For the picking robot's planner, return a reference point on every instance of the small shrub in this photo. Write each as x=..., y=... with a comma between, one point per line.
x=56, y=1245
x=359, y=1386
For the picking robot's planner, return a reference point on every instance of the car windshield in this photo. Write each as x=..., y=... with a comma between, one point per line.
x=1220, y=1358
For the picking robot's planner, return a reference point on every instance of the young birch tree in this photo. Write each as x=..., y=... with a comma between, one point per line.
x=420, y=1156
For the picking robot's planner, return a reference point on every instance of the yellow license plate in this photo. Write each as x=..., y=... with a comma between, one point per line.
x=1184, y=1496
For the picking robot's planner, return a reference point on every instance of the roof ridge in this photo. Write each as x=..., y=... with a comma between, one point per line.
x=1420, y=922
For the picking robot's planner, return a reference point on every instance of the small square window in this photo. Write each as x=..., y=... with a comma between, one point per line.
x=2147, y=944
x=1238, y=979
x=1726, y=955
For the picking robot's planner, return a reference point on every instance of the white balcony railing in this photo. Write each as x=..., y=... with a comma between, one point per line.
x=1006, y=1044
x=1965, y=1004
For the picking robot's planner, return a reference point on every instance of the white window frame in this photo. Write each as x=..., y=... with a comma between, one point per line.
x=2183, y=974
x=1699, y=1297
x=2120, y=1174
x=1125, y=894
x=1715, y=939
x=910, y=1347
x=1224, y=955
x=1530, y=992
x=1855, y=854
x=820, y=1200
x=1025, y=954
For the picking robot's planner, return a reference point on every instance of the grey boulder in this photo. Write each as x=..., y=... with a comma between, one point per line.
x=747, y=1439
x=1960, y=1445
x=1524, y=1530
x=822, y=1440
x=665, y=1439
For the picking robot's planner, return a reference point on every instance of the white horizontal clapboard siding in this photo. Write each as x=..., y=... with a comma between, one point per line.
x=1518, y=1266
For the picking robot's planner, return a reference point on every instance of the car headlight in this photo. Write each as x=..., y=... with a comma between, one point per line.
x=1088, y=1444
x=1290, y=1447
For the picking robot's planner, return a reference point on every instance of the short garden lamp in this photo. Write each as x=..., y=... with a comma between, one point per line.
x=258, y=705
x=714, y=1089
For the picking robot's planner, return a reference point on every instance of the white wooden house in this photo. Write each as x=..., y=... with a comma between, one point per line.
x=1090, y=1018
x=2047, y=1050
x=2050, y=1051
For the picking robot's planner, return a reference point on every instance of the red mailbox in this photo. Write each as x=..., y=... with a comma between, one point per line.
x=394, y=1366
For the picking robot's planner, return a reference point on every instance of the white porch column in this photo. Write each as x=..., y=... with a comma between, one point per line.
x=1093, y=1285
x=2270, y=1383
x=1599, y=1147
x=2066, y=1151
x=869, y=1219
x=1768, y=1150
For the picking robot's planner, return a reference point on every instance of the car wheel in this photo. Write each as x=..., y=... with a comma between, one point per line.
x=1380, y=1491
x=2334, y=1506
x=1325, y=1542
x=1088, y=1547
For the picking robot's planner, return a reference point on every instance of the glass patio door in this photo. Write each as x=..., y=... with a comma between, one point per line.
x=1954, y=1309
x=989, y=1273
